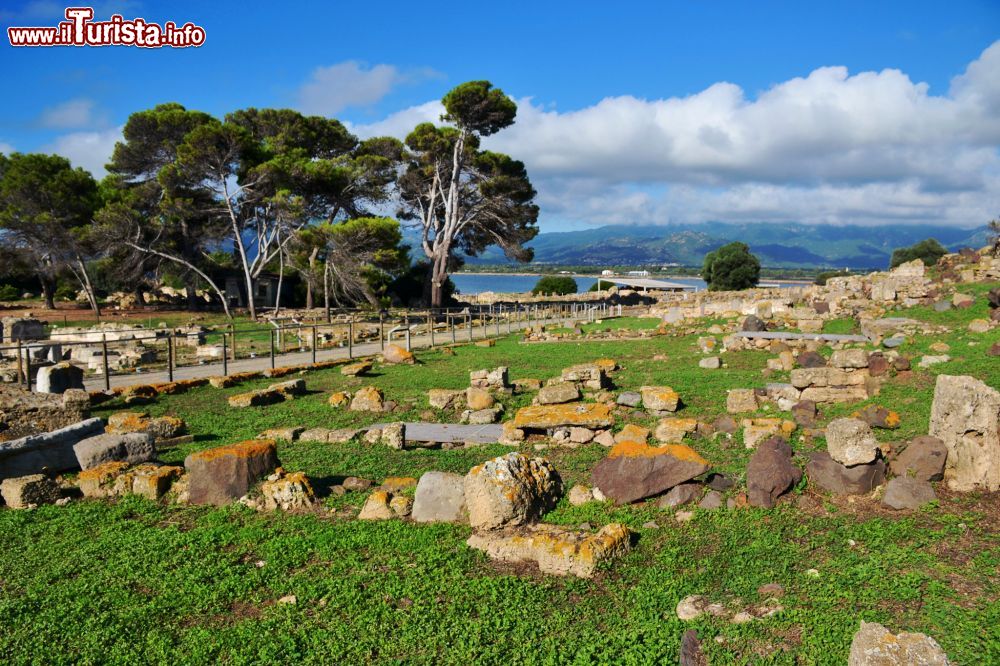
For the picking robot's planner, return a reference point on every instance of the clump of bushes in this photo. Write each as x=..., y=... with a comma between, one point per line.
x=559, y=285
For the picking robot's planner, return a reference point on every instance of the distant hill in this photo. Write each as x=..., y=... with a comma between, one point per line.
x=789, y=245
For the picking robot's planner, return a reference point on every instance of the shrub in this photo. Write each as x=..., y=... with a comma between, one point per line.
x=927, y=250
x=555, y=284
x=9, y=293
x=732, y=267
x=601, y=285
x=821, y=278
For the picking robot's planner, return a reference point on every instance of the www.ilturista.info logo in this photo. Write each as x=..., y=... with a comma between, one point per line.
x=79, y=29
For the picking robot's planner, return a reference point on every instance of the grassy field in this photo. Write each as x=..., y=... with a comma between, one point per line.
x=137, y=582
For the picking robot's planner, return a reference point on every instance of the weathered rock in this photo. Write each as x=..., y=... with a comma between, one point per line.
x=354, y=484
x=580, y=494
x=879, y=417
x=557, y=551
x=401, y=505
x=835, y=394
x=161, y=427
x=874, y=645
x=673, y=430
x=804, y=413
x=904, y=492
x=710, y=363
x=802, y=378
x=691, y=653
x=711, y=501
x=596, y=415
x=478, y=398
x=848, y=359
x=929, y=360
x=579, y=435
x=811, y=359
x=684, y=493
x=633, y=433
x=133, y=448
x=491, y=379
x=394, y=355
x=25, y=491
x=923, y=458
x=394, y=435
x=770, y=472
x=287, y=492
x=659, y=399
x=445, y=398
x=153, y=481
x=634, y=470
x=58, y=378
x=46, y=452
x=102, y=480
x=356, y=369
x=753, y=324
x=756, y=431
x=220, y=475
x=965, y=415
x=830, y=475
x=510, y=490
x=377, y=507
x=439, y=498
x=339, y=399
x=482, y=416
x=590, y=375
x=258, y=398
x=526, y=385
x=851, y=442
x=558, y=393
x=629, y=399
x=741, y=400
x=368, y=399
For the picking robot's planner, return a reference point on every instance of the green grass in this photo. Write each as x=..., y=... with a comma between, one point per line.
x=136, y=582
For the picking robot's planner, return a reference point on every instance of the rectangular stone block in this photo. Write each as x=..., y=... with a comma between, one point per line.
x=220, y=475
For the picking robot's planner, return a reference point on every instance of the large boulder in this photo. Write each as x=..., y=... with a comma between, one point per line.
x=478, y=398
x=635, y=470
x=965, y=415
x=874, y=645
x=770, y=472
x=851, y=442
x=25, y=491
x=439, y=498
x=838, y=479
x=133, y=448
x=510, y=490
x=58, y=378
x=923, y=458
x=220, y=475
x=753, y=324
x=367, y=399
x=160, y=427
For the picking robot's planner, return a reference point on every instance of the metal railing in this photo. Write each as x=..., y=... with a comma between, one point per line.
x=139, y=350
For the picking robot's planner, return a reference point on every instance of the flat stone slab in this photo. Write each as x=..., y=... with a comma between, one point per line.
x=48, y=452
x=451, y=432
x=787, y=335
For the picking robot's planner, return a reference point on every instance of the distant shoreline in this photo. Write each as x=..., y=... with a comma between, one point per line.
x=604, y=277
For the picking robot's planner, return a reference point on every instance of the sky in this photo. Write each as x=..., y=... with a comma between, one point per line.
x=628, y=113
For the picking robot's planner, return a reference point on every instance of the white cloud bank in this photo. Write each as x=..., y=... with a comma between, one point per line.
x=830, y=147
x=90, y=150
x=346, y=84
x=71, y=114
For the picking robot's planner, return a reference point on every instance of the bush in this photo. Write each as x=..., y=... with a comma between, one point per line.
x=927, y=250
x=730, y=268
x=555, y=284
x=9, y=293
x=601, y=285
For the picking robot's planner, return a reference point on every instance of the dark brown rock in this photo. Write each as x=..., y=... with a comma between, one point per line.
x=901, y=364
x=878, y=365
x=879, y=417
x=220, y=475
x=726, y=424
x=923, y=458
x=754, y=324
x=821, y=307
x=995, y=349
x=994, y=298
x=770, y=472
x=804, y=413
x=828, y=474
x=691, y=654
x=905, y=492
x=634, y=470
x=811, y=359
x=679, y=495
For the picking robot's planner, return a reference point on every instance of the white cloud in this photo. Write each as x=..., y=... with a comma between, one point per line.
x=334, y=88
x=826, y=147
x=90, y=150
x=401, y=123
x=70, y=114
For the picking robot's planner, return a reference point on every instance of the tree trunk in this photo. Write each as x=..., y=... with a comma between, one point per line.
x=311, y=278
x=192, y=297
x=281, y=278
x=48, y=291
x=439, y=273
x=140, y=295
x=326, y=286
x=88, y=287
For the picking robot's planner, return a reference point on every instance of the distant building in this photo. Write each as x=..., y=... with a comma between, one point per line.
x=638, y=273
x=607, y=273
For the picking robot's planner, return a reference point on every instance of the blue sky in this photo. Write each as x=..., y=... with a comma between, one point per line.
x=642, y=77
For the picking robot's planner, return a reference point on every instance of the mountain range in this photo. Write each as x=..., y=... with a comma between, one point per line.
x=789, y=245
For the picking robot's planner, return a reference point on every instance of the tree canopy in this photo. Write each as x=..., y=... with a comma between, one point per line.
x=928, y=251
x=555, y=285
x=732, y=267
